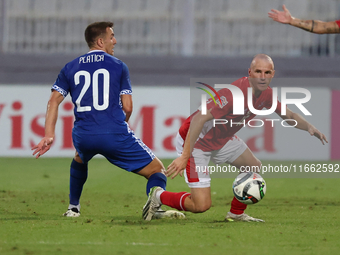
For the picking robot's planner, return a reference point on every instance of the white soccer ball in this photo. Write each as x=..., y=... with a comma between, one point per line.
x=249, y=188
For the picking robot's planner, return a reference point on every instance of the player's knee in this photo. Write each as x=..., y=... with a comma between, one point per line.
x=159, y=168
x=202, y=207
x=156, y=166
x=77, y=157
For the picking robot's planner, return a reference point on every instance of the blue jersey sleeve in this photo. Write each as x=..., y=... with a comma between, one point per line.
x=61, y=85
x=125, y=84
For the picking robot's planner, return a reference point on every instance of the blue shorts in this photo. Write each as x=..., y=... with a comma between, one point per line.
x=123, y=150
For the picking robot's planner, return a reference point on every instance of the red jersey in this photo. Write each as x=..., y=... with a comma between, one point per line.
x=338, y=22
x=214, y=138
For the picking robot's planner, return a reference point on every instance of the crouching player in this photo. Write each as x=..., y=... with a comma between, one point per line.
x=199, y=142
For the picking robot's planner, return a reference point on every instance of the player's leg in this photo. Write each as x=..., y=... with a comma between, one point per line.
x=154, y=173
x=78, y=177
x=199, y=200
x=247, y=158
x=79, y=172
x=236, y=153
x=130, y=153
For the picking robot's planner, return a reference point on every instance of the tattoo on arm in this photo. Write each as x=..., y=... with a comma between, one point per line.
x=306, y=24
x=334, y=28
x=312, y=26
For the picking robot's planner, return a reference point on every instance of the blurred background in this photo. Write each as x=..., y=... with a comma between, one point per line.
x=164, y=43
x=167, y=27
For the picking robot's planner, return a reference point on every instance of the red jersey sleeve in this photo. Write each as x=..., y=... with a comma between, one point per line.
x=338, y=22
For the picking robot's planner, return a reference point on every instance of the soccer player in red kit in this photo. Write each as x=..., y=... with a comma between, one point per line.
x=313, y=26
x=199, y=142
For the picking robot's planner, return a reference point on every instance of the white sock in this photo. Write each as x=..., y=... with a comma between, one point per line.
x=72, y=206
x=158, y=195
x=233, y=214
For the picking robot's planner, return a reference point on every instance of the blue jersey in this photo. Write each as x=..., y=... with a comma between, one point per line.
x=95, y=82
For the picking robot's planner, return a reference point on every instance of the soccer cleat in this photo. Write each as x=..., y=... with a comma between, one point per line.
x=170, y=214
x=73, y=212
x=241, y=217
x=152, y=205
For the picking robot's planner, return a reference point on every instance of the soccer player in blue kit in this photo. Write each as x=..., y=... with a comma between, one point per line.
x=100, y=88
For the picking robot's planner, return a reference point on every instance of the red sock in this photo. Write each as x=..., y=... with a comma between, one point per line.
x=237, y=207
x=174, y=200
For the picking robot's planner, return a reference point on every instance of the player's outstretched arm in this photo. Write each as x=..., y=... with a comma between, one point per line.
x=51, y=119
x=283, y=17
x=303, y=124
x=179, y=164
x=313, y=26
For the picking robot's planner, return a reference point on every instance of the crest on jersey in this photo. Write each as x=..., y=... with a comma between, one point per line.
x=211, y=95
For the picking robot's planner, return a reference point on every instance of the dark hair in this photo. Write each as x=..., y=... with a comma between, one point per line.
x=94, y=30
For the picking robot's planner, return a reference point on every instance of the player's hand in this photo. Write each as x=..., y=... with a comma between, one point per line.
x=313, y=131
x=281, y=16
x=42, y=147
x=177, y=167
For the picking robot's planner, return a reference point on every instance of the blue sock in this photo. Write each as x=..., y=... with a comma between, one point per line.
x=157, y=179
x=78, y=176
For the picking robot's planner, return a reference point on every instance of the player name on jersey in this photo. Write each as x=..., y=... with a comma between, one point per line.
x=91, y=58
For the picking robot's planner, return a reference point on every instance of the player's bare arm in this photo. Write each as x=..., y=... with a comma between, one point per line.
x=303, y=124
x=178, y=165
x=313, y=26
x=51, y=119
x=127, y=105
x=316, y=26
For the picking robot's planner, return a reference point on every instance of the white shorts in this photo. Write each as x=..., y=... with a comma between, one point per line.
x=200, y=160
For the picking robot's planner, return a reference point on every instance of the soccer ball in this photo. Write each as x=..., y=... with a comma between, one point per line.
x=249, y=188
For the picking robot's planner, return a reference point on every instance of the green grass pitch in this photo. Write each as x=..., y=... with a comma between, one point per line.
x=302, y=215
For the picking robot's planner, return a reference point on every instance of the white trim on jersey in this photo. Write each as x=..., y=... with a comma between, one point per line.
x=140, y=142
x=126, y=92
x=60, y=90
x=95, y=51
